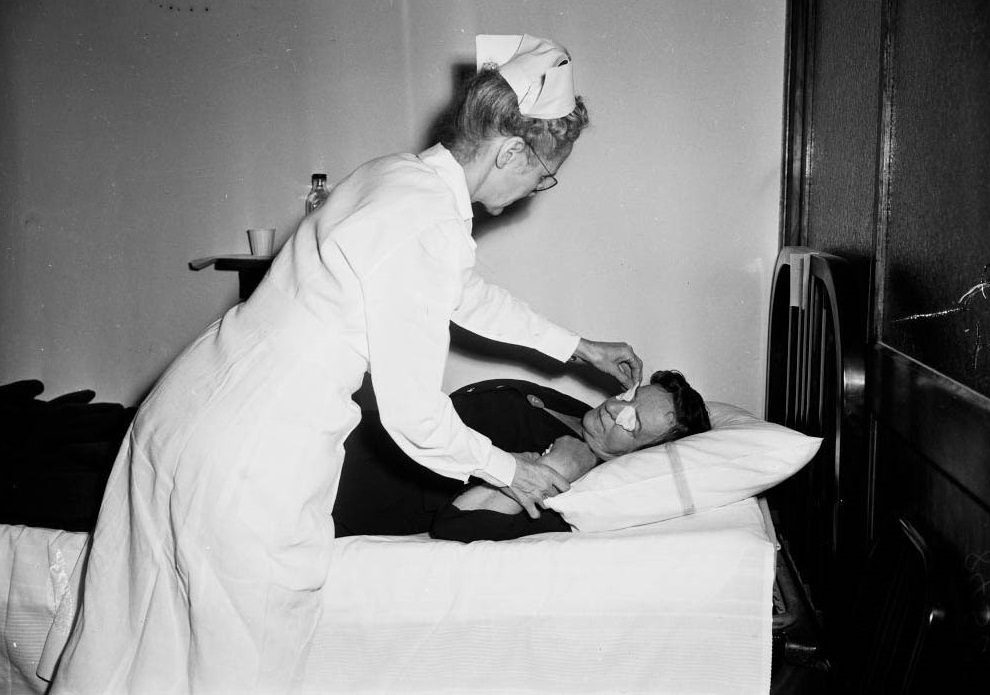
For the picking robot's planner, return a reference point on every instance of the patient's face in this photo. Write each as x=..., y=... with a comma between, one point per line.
x=610, y=433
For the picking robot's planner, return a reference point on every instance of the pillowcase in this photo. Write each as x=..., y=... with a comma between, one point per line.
x=741, y=456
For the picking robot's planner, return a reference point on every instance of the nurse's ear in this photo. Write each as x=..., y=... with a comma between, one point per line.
x=512, y=152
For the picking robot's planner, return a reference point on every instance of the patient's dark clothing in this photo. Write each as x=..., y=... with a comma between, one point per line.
x=466, y=525
x=382, y=491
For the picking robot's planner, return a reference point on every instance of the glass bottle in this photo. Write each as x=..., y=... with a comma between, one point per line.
x=318, y=193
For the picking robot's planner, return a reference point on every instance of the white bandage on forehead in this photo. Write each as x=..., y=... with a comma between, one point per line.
x=627, y=418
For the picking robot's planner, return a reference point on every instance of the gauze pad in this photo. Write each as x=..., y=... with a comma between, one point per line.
x=627, y=396
x=627, y=418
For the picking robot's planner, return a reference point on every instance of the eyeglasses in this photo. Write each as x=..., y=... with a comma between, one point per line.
x=546, y=182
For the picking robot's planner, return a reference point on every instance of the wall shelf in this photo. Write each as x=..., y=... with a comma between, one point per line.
x=250, y=269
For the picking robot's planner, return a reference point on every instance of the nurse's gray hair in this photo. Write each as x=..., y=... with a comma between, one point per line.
x=487, y=107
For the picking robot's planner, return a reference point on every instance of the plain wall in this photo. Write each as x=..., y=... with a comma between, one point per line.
x=137, y=136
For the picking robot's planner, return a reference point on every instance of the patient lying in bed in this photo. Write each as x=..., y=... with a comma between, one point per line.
x=383, y=492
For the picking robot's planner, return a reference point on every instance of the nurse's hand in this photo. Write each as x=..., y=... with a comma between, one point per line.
x=533, y=483
x=615, y=359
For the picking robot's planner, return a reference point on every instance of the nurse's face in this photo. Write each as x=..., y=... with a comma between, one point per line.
x=519, y=178
x=619, y=426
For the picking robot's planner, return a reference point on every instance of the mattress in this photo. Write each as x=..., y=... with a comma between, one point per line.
x=683, y=606
x=36, y=575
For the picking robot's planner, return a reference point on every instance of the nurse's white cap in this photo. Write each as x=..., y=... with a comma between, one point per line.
x=538, y=70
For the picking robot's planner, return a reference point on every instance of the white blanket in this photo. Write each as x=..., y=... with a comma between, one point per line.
x=683, y=606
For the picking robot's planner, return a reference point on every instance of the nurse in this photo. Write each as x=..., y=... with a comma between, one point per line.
x=214, y=538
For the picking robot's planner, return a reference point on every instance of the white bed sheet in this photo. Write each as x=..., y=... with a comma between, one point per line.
x=683, y=606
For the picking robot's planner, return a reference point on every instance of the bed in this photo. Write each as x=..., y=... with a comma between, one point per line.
x=596, y=612
x=667, y=587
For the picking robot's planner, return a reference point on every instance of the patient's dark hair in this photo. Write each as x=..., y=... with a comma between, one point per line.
x=689, y=406
x=487, y=107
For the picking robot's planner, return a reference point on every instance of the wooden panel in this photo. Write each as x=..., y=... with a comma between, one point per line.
x=844, y=114
x=932, y=461
x=935, y=212
x=797, y=110
x=957, y=659
x=946, y=422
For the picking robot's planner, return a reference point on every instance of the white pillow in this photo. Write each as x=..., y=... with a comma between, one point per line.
x=742, y=455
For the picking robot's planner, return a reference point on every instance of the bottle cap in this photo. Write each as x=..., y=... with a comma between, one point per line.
x=319, y=177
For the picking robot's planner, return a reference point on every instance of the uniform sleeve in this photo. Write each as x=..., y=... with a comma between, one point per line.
x=492, y=312
x=409, y=297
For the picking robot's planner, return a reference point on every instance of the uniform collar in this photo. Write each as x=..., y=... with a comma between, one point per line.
x=442, y=161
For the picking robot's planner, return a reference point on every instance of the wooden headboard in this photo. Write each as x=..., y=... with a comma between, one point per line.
x=816, y=384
